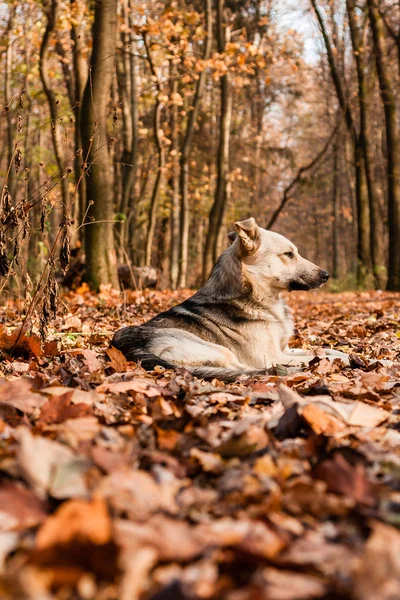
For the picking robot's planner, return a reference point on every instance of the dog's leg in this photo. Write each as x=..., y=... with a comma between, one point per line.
x=184, y=348
x=201, y=358
x=332, y=354
x=297, y=357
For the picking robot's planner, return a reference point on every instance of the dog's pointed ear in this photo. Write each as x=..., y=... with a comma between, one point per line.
x=232, y=235
x=249, y=235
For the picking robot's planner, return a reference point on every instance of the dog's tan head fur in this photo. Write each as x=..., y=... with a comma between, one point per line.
x=270, y=262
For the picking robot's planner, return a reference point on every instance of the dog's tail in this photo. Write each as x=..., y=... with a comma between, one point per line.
x=131, y=341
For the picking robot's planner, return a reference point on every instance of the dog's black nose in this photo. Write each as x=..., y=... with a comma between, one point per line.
x=324, y=275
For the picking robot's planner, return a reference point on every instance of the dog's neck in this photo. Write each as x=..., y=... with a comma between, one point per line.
x=231, y=282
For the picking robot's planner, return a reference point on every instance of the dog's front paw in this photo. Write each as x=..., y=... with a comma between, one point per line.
x=332, y=354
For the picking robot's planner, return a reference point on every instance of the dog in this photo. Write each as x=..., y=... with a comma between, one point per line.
x=237, y=323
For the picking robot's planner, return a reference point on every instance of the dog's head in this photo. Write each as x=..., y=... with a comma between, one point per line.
x=271, y=260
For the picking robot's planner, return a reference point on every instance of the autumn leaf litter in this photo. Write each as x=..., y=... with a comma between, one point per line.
x=121, y=484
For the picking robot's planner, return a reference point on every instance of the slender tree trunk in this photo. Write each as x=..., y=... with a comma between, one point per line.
x=392, y=143
x=99, y=238
x=376, y=223
x=335, y=211
x=218, y=209
x=52, y=16
x=186, y=150
x=157, y=185
x=164, y=253
x=80, y=71
x=124, y=82
x=394, y=34
x=131, y=192
x=29, y=177
x=363, y=216
x=161, y=158
x=11, y=182
x=126, y=70
x=175, y=204
x=66, y=69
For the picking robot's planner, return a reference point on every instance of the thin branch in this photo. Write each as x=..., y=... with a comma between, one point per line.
x=299, y=176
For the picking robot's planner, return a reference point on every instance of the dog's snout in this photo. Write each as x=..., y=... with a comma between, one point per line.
x=324, y=276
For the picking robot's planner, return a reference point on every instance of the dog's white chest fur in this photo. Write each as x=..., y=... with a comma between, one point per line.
x=266, y=337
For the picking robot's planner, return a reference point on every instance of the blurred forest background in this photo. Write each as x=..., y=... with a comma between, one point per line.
x=135, y=132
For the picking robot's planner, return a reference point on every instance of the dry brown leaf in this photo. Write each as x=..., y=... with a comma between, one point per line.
x=344, y=478
x=50, y=467
x=91, y=359
x=117, y=360
x=73, y=323
x=20, y=343
x=289, y=585
x=137, y=493
x=320, y=421
x=313, y=550
x=20, y=394
x=76, y=520
x=378, y=571
x=19, y=507
x=140, y=385
x=249, y=536
x=210, y=462
x=173, y=539
x=243, y=443
x=60, y=408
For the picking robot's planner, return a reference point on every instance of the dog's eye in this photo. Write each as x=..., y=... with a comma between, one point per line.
x=289, y=254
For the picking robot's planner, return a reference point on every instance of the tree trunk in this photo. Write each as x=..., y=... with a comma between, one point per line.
x=52, y=16
x=363, y=217
x=161, y=158
x=99, y=239
x=175, y=207
x=376, y=223
x=218, y=209
x=186, y=150
x=128, y=89
x=11, y=180
x=156, y=187
x=123, y=82
x=336, y=211
x=80, y=72
x=387, y=90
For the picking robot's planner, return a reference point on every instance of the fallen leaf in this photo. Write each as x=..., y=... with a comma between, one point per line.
x=76, y=519
x=243, y=443
x=50, y=467
x=320, y=421
x=20, y=394
x=378, y=571
x=143, y=386
x=91, y=359
x=72, y=322
x=117, y=360
x=19, y=507
x=18, y=343
x=344, y=478
x=289, y=585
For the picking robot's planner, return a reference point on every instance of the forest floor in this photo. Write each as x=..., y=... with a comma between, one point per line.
x=121, y=484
